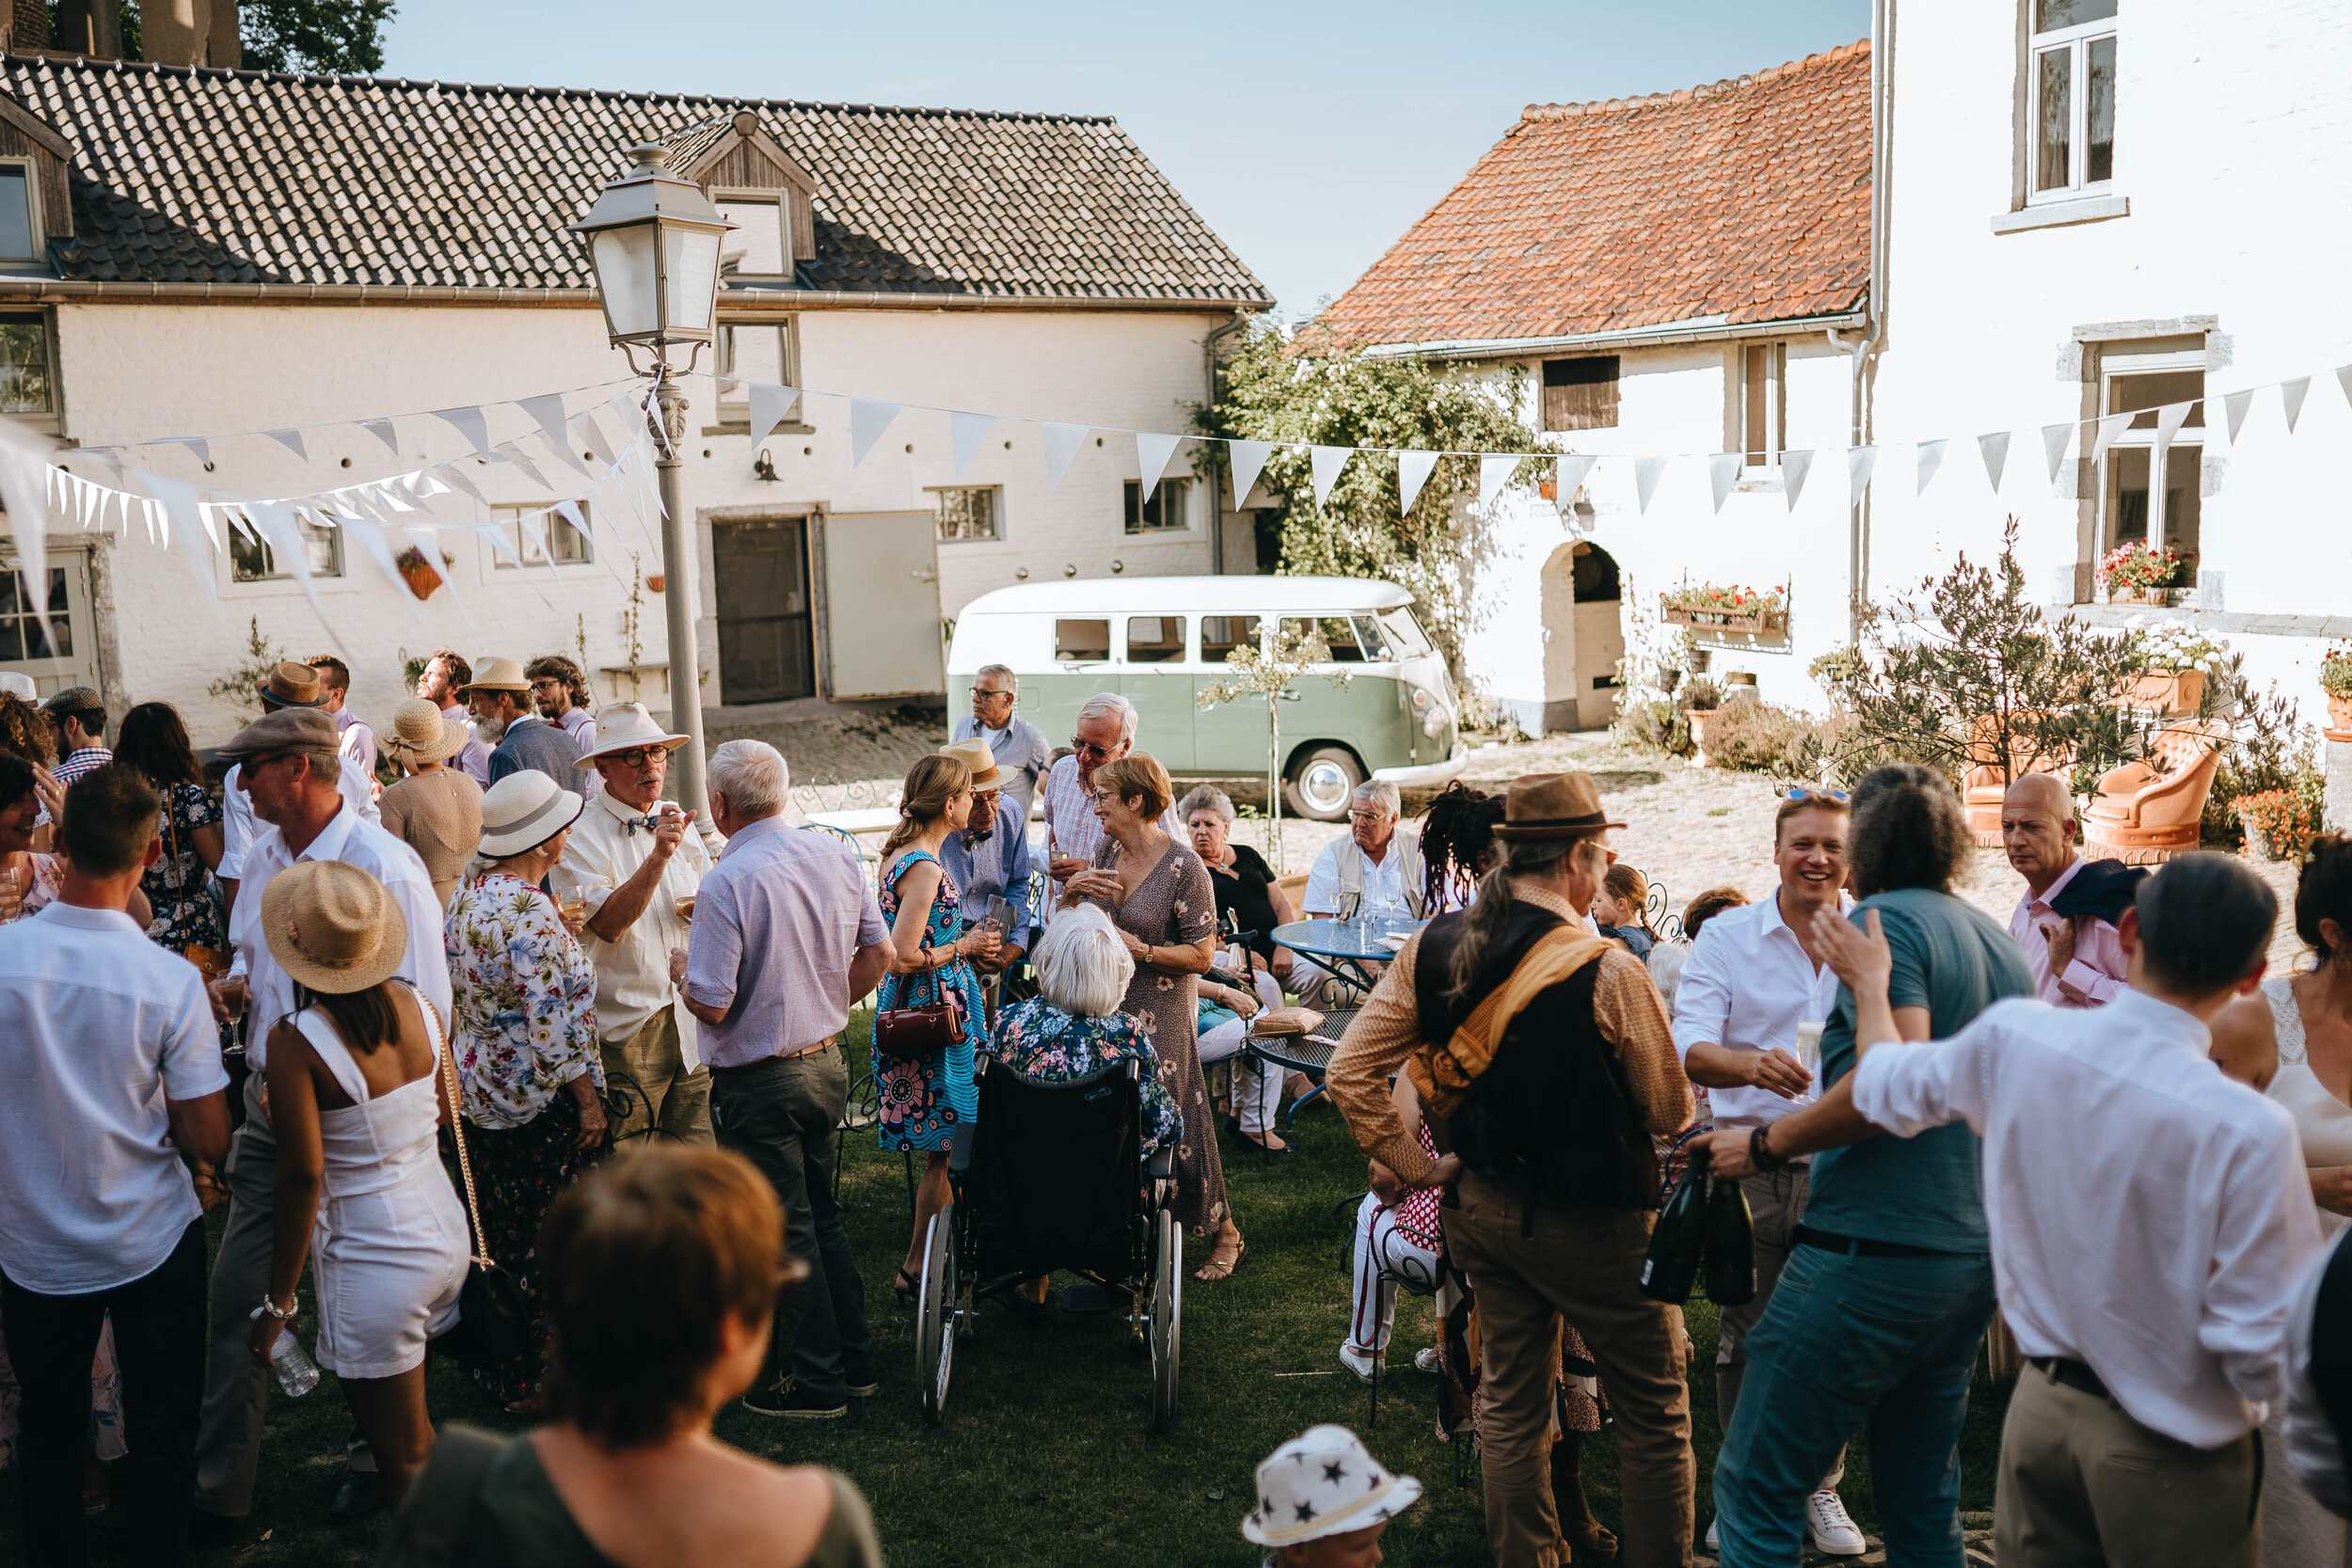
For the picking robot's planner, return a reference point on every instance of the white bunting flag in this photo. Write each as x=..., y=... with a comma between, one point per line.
x=569, y=511
x=869, y=418
x=1152, y=450
x=23, y=457
x=1794, y=466
x=1063, y=442
x=292, y=441
x=1860, y=463
x=1994, y=448
x=177, y=502
x=426, y=484
x=382, y=430
x=276, y=520
x=771, y=403
x=591, y=432
x=1248, y=460
x=2056, y=439
x=1722, y=472
x=2169, y=421
x=461, y=481
x=495, y=536
x=2233, y=407
x=1568, y=476
x=547, y=413
x=1494, y=472
x=2110, y=427
x=1324, y=463
x=1930, y=458
x=2291, y=395
x=1646, y=472
x=2343, y=379
x=966, y=432
x=196, y=444
x=514, y=453
x=471, y=423
x=369, y=533
x=1413, y=469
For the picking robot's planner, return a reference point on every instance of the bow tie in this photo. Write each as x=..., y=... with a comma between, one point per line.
x=631, y=825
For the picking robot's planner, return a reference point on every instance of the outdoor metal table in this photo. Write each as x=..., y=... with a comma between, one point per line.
x=1346, y=947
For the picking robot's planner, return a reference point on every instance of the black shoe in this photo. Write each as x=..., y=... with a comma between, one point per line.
x=361, y=1495
x=787, y=1401
x=865, y=1391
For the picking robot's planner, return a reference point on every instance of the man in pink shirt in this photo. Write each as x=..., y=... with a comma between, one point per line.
x=2062, y=921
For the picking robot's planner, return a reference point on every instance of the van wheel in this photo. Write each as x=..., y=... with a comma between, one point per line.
x=1320, y=784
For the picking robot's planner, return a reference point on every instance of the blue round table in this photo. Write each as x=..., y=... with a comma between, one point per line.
x=1345, y=947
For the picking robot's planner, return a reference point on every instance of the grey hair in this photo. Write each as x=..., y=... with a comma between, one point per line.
x=753, y=776
x=1110, y=704
x=1205, y=797
x=1381, y=793
x=1011, y=681
x=1082, y=966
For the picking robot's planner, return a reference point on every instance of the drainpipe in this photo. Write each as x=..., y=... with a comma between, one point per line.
x=1216, y=502
x=1864, y=350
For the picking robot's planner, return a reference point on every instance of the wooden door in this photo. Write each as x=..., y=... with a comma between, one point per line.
x=767, y=638
x=882, y=606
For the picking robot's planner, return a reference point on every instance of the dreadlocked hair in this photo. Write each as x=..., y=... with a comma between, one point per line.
x=1457, y=836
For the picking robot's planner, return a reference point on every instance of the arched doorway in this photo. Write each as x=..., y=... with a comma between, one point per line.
x=1583, y=636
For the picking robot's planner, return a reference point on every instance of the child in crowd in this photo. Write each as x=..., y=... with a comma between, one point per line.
x=1323, y=1503
x=1619, y=909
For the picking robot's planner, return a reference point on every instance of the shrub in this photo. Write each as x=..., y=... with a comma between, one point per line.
x=2335, y=671
x=1655, y=724
x=1759, y=737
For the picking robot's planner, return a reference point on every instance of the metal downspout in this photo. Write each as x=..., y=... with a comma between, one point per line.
x=1864, y=350
x=1216, y=501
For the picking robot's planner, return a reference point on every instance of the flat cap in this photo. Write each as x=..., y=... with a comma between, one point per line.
x=288, y=729
x=75, y=698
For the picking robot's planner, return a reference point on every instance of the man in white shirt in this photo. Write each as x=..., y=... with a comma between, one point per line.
x=2075, y=956
x=1105, y=732
x=631, y=859
x=1374, y=870
x=1023, y=754
x=288, y=768
x=290, y=686
x=354, y=739
x=558, y=690
x=111, y=1086
x=2151, y=1225
x=1750, y=981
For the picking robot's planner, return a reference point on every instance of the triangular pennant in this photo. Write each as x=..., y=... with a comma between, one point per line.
x=869, y=419
x=514, y=455
x=1063, y=442
x=292, y=441
x=1248, y=460
x=461, y=479
x=568, y=509
x=496, y=538
x=196, y=444
x=1860, y=463
x=369, y=534
x=2110, y=426
x=1930, y=458
x=1413, y=469
x=2291, y=395
x=427, y=485
x=2169, y=421
x=546, y=412
x=562, y=449
x=25, y=488
x=591, y=432
x=2056, y=439
x=279, y=530
x=1152, y=450
x=1723, y=471
x=177, y=502
x=2233, y=407
x=1494, y=473
x=469, y=422
x=1324, y=463
x=382, y=430
x=1994, y=448
x=1568, y=476
x=965, y=431
x=771, y=403
x=1794, y=466
x=1646, y=472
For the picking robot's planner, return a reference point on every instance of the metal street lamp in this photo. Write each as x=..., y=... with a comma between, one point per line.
x=653, y=240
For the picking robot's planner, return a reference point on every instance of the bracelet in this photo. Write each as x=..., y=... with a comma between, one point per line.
x=269, y=1309
x=1760, y=1153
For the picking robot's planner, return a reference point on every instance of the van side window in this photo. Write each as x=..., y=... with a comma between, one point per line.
x=1222, y=634
x=1375, y=641
x=1155, y=639
x=1338, y=633
x=1081, y=641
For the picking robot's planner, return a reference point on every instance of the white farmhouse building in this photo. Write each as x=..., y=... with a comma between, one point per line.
x=1683, y=274
x=202, y=252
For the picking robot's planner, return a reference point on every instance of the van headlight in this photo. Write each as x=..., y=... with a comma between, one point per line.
x=1431, y=709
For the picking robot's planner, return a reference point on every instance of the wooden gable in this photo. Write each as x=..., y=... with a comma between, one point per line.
x=746, y=157
x=27, y=136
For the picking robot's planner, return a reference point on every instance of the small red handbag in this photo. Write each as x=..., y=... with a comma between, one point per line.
x=918, y=1033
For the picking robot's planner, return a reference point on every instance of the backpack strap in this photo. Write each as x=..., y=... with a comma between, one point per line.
x=439, y=1511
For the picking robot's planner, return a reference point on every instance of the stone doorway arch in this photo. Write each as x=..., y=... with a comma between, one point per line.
x=1583, y=636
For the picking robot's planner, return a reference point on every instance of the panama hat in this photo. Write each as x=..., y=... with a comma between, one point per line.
x=1324, y=1482
x=17, y=686
x=1552, y=805
x=623, y=727
x=423, y=733
x=332, y=927
x=523, y=811
x=975, y=755
x=292, y=684
x=287, y=729
x=499, y=674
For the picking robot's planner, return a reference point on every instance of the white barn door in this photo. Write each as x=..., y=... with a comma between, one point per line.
x=882, y=606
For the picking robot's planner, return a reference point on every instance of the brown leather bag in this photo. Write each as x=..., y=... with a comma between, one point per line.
x=919, y=1033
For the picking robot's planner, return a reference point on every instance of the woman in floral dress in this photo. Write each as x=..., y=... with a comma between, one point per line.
x=924, y=1099
x=179, y=886
x=524, y=1029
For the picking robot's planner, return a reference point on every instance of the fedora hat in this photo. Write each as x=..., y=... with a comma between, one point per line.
x=332, y=927
x=499, y=674
x=623, y=727
x=288, y=729
x=292, y=684
x=523, y=811
x=423, y=733
x=1324, y=1482
x=1552, y=805
x=975, y=755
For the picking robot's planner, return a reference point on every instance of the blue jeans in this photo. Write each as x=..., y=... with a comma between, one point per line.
x=1886, y=1343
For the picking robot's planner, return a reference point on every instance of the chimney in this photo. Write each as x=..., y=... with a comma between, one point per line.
x=27, y=24
x=91, y=28
x=190, y=32
x=224, y=48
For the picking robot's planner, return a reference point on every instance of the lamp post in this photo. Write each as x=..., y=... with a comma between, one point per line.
x=653, y=241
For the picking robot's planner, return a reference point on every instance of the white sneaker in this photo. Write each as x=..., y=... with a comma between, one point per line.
x=1833, y=1532
x=1425, y=1360
x=1715, y=1542
x=1360, y=1362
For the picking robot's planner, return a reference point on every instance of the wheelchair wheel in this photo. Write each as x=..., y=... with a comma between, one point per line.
x=1165, y=1329
x=935, y=1314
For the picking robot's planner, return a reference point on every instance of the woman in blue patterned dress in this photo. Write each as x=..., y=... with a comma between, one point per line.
x=923, y=1099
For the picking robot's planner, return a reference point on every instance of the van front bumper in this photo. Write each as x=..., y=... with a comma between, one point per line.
x=1429, y=775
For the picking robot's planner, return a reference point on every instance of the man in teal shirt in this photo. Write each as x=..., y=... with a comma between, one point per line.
x=1877, y=1316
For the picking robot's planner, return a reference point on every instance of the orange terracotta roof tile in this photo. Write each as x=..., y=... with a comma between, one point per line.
x=1748, y=199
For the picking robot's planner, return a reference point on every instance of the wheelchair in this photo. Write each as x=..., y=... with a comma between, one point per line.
x=1051, y=1175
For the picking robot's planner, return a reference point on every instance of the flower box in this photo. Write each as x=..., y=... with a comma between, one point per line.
x=2167, y=691
x=424, y=580
x=2133, y=574
x=1763, y=621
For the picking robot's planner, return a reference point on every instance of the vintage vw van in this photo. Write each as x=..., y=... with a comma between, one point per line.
x=1158, y=642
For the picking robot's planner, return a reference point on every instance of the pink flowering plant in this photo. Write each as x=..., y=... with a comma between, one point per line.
x=2136, y=568
x=1725, y=599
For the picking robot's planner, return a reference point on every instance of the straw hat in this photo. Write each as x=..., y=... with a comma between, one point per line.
x=499, y=674
x=523, y=811
x=17, y=686
x=626, y=726
x=292, y=684
x=975, y=755
x=1552, y=805
x=1324, y=1482
x=287, y=729
x=332, y=927
x=421, y=731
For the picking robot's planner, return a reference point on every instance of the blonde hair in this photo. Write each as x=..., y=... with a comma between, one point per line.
x=1138, y=773
x=1631, y=889
x=932, y=783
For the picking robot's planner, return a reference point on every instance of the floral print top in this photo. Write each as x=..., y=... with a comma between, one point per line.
x=1038, y=1040
x=38, y=883
x=178, y=886
x=523, y=996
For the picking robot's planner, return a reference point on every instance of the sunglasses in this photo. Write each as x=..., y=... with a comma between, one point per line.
x=1086, y=748
x=1805, y=792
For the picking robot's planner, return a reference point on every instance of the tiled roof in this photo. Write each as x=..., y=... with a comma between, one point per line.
x=1749, y=199
x=245, y=177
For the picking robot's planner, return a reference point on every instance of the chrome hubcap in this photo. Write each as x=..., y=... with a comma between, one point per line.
x=1324, y=786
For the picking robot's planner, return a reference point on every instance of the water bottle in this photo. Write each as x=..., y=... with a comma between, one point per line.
x=296, y=1372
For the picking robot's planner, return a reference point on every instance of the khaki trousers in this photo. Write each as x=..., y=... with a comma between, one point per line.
x=1581, y=1263
x=2082, y=1484
x=1776, y=1200
x=666, y=1097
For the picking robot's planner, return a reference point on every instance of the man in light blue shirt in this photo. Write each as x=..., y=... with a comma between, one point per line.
x=1020, y=747
x=991, y=858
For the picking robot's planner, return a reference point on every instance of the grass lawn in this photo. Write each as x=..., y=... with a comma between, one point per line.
x=1044, y=1459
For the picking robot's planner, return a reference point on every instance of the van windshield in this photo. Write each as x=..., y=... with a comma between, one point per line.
x=1404, y=634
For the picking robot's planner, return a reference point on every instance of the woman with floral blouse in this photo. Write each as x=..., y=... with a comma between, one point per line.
x=524, y=1030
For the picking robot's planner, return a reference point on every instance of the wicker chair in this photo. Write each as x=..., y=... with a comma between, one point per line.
x=2142, y=814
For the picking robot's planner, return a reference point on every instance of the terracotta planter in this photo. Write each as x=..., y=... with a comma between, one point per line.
x=2139, y=596
x=655, y=581
x=1698, y=718
x=2167, y=690
x=2257, y=847
x=422, y=580
x=2339, y=712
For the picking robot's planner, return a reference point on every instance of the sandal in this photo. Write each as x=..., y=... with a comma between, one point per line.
x=906, y=1287
x=1219, y=1266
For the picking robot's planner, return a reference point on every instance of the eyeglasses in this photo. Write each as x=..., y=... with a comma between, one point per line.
x=547, y=683
x=984, y=691
x=636, y=756
x=1087, y=748
x=1367, y=817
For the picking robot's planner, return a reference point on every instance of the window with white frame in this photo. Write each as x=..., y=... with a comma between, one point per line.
x=1167, y=509
x=2070, y=67
x=251, y=560
x=1763, y=403
x=2149, y=496
x=760, y=244
x=554, y=538
x=748, y=351
x=20, y=236
x=28, y=384
x=968, y=512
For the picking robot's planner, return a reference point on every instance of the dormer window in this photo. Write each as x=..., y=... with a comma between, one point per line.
x=20, y=234
x=760, y=246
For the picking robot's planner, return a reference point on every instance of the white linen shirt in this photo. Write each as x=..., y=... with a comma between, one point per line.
x=581, y=725
x=2150, y=1218
x=354, y=841
x=1384, y=883
x=1746, y=985
x=239, y=826
x=634, y=974
x=98, y=1027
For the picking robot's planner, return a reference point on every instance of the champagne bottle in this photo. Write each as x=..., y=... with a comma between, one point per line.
x=1730, y=1229
x=1678, y=1239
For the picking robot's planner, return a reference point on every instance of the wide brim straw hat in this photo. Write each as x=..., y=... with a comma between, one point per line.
x=499, y=674
x=292, y=684
x=975, y=755
x=1552, y=805
x=421, y=731
x=332, y=927
x=626, y=726
x=523, y=811
x=1323, y=1483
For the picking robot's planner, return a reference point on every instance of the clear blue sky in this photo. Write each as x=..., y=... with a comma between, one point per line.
x=1310, y=135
